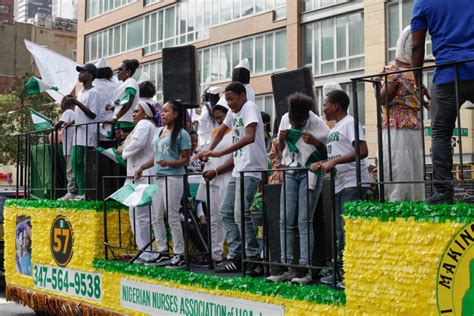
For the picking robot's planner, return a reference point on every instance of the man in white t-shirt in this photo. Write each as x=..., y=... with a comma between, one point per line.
x=342, y=155
x=248, y=148
x=86, y=114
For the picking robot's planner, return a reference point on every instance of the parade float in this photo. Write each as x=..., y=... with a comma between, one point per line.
x=400, y=258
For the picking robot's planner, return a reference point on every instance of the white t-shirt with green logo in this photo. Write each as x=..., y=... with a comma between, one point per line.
x=339, y=143
x=252, y=156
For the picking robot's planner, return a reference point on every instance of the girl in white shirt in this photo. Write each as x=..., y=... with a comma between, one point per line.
x=218, y=172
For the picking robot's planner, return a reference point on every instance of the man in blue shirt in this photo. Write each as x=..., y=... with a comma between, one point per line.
x=451, y=26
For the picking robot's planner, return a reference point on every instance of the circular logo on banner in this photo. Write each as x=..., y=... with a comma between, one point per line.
x=61, y=241
x=455, y=281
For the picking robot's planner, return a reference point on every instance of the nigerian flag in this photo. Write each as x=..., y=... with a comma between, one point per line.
x=40, y=121
x=135, y=195
x=112, y=154
x=36, y=86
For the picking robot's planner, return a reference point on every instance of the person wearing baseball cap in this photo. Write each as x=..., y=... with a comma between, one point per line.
x=86, y=112
x=90, y=68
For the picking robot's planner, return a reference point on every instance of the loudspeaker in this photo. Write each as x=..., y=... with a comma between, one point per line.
x=99, y=166
x=181, y=74
x=285, y=84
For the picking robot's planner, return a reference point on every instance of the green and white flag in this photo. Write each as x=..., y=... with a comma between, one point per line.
x=135, y=195
x=112, y=154
x=40, y=121
x=36, y=86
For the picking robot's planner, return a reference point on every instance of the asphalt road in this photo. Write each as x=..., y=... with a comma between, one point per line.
x=10, y=308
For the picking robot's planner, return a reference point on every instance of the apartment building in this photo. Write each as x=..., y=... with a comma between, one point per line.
x=337, y=39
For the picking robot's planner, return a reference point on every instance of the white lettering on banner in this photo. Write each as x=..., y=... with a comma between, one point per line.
x=67, y=281
x=162, y=300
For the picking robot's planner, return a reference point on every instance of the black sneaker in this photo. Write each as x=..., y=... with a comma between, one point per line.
x=161, y=259
x=177, y=262
x=254, y=270
x=441, y=198
x=232, y=266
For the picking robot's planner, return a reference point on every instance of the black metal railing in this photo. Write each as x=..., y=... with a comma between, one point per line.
x=381, y=181
x=113, y=248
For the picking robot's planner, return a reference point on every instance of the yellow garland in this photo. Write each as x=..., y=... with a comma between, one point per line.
x=88, y=235
x=88, y=244
x=391, y=267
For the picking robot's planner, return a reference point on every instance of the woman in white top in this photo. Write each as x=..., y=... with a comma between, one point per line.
x=125, y=97
x=218, y=172
x=138, y=149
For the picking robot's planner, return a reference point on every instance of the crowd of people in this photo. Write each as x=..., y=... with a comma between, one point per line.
x=228, y=138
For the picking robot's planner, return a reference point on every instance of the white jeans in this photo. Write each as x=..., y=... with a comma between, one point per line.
x=140, y=222
x=217, y=229
x=172, y=206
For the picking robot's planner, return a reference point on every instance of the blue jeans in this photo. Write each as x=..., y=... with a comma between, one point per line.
x=345, y=195
x=298, y=216
x=231, y=218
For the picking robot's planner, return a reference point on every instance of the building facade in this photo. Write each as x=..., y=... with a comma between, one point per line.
x=66, y=9
x=7, y=9
x=27, y=9
x=337, y=39
x=16, y=61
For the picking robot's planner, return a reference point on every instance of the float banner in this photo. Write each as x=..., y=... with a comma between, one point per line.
x=163, y=300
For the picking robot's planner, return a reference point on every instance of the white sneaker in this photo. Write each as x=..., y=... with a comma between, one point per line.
x=308, y=278
x=79, y=198
x=287, y=276
x=67, y=197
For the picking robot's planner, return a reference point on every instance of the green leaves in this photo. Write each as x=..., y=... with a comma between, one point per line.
x=74, y=205
x=319, y=294
x=460, y=212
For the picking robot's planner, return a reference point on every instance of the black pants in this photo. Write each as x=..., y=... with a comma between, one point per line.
x=443, y=119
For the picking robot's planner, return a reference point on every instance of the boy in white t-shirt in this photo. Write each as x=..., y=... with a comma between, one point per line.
x=341, y=157
x=248, y=148
x=86, y=114
x=67, y=136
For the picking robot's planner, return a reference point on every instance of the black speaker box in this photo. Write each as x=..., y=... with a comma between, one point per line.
x=181, y=74
x=95, y=174
x=285, y=84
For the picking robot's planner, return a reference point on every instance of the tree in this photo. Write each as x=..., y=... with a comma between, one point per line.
x=16, y=119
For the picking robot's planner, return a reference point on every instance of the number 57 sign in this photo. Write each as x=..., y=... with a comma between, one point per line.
x=61, y=241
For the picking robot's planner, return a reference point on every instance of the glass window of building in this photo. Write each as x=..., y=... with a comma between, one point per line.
x=309, y=5
x=98, y=7
x=266, y=104
x=155, y=72
x=265, y=52
x=178, y=24
x=398, y=16
x=335, y=44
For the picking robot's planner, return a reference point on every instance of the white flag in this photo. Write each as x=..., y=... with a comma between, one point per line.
x=55, y=69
